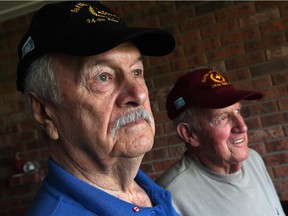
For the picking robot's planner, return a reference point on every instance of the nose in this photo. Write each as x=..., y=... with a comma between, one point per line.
x=239, y=125
x=133, y=92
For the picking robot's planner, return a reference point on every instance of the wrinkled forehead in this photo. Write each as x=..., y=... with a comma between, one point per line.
x=124, y=48
x=216, y=112
x=78, y=66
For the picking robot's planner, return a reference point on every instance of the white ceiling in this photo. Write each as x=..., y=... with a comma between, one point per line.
x=11, y=9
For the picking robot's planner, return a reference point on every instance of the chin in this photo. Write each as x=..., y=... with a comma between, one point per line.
x=145, y=145
x=239, y=155
x=242, y=157
x=136, y=148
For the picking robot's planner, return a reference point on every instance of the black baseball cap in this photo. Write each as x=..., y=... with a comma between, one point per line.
x=84, y=28
x=205, y=88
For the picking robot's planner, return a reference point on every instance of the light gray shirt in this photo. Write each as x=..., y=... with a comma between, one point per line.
x=198, y=191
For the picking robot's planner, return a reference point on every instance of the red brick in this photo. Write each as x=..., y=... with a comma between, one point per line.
x=180, y=64
x=238, y=75
x=281, y=171
x=225, y=52
x=169, y=127
x=241, y=36
x=189, y=38
x=4, y=203
x=259, y=108
x=16, y=180
x=269, y=67
x=157, y=70
x=164, y=59
x=19, y=211
x=285, y=129
x=166, y=140
x=260, y=148
x=219, y=28
x=161, y=166
x=159, y=129
x=197, y=22
x=195, y=61
x=4, y=212
x=276, y=146
x=181, y=15
x=147, y=167
x=262, y=5
x=276, y=159
x=156, y=153
x=265, y=134
x=280, y=78
x=267, y=42
x=277, y=52
x=253, y=123
x=262, y=82
x=283, y=104
x=275, y=26
x=275, y=119
x=160, y=117
x=177, y=151
x=32, y=178
x=241, y=9
x=276, y=92
x=241, y=61
x=258, y=18
x=162, y=82
x=203, y=46
x=284, y=10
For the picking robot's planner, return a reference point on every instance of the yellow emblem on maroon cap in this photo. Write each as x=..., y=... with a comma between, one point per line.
x=215, y=79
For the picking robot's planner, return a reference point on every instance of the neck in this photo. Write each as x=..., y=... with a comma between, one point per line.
x=221, y=168
x=225, y=169
x=115, y=177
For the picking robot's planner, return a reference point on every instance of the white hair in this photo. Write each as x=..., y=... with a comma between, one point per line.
x=41, y=78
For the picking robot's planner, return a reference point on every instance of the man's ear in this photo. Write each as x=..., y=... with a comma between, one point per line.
x=187, y=134
x=43, y=115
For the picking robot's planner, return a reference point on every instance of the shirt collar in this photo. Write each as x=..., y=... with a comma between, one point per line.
x=100, y=202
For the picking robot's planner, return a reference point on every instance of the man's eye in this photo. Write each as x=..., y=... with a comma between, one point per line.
x=221, y=120
x=103, y=77
x=223, y=117
x=138, y=73
x=238, y=111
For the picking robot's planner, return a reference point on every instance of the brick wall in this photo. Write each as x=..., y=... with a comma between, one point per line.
x=246, y=40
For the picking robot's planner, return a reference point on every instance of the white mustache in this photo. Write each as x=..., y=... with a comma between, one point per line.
x=130, y=117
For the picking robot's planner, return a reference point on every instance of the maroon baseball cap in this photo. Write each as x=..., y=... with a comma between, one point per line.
x=205, y=88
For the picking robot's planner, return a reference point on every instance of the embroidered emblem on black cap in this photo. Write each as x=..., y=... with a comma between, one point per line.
x=28, y=46
x=215, y=79
x=180, y=102
x=101, y=15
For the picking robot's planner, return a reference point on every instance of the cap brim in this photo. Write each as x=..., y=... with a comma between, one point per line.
x=150, y=41
x=224, y=99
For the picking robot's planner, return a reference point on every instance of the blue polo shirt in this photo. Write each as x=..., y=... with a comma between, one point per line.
x=64, y=194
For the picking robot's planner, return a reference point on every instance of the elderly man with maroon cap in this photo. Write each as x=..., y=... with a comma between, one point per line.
x=219, y=175
x=81, y=69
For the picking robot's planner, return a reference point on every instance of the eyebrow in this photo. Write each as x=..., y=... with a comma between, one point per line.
x=224, y=111
x=103, y=61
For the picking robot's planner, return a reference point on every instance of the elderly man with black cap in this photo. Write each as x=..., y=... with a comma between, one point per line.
x=218, y=174
x=80, y=68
